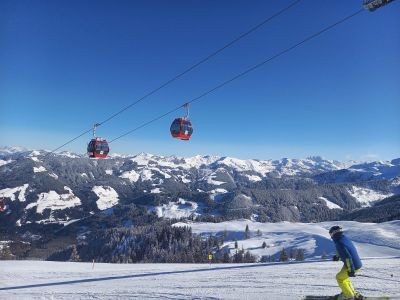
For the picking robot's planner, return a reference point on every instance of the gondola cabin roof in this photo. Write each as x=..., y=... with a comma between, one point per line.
x=372, y=5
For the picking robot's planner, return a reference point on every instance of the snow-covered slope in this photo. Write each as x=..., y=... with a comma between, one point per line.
x=176, y=210
x=11, y=192
x=108, y=197
x=371, y=239
x=367, y=196
x=274, y=281
x=54, y=201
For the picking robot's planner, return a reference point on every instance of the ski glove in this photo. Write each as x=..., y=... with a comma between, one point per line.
x=351, y=274
x=336, y=258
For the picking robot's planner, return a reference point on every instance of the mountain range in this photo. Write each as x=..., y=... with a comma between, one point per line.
x=53, y=190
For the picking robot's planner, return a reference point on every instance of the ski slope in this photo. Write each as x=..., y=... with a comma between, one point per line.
x=67, y=280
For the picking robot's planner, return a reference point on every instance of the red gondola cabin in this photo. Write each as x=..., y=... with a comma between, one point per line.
x=181, y=128
x=98, y=148
x=372, y=5
x=3, y=206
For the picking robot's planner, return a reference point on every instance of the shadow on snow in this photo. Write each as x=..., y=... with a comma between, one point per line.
x=209, y=269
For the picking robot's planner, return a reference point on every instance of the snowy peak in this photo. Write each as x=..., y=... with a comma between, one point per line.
x=251, y=168
x=381, y=169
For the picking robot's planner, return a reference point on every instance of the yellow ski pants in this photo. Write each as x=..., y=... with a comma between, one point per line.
x=344, y=282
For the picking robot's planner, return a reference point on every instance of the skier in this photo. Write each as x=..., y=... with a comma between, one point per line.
x=347, y=253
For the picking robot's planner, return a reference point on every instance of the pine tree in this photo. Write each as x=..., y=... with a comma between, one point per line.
x=248, y=258
x=74, y=254
x=283, y=255
x=300, y=255
x=264, y=245
x=226, y=258
x=236, y=244
x=293, y=253
x=5, y=253
x=225, y=234
x=247, y=232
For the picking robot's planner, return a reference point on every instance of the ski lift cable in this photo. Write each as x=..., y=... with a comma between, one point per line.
x=235, y=40
x=245, y=72
x=70, y=141
x=203, y=60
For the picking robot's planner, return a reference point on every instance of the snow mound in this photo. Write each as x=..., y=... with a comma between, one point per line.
x=108, y=197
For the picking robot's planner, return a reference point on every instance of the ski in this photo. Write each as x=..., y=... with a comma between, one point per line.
x=335, y=297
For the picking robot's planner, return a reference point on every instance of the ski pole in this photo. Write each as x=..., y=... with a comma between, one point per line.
x=374, y=277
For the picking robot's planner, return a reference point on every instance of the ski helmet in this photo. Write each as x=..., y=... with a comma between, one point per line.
x=335, y=230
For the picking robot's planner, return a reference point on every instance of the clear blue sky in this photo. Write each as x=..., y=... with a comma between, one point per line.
x=65, y=65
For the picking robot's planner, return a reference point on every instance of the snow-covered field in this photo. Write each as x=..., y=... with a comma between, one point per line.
x=371, y=239
x=59, y=280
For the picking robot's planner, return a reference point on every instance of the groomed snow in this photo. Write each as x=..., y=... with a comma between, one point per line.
x=272, y=281
x=54, y=201
x=108, y=197
x=366, y=196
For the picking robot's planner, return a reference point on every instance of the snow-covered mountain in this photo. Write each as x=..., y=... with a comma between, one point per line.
x=42, y=187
